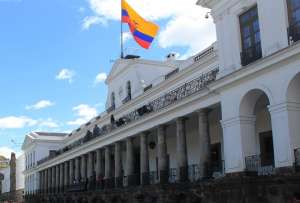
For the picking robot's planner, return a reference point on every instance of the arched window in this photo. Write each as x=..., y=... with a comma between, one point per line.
x=112, y=99
x=128, y=87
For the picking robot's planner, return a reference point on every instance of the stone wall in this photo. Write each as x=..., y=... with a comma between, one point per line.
x=279, y=189
x=12, y=197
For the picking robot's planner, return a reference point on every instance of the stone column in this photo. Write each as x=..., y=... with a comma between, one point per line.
x=108, y=173
x=49, y=180
x=66, y=175
x=163, y=159
x=44, y=181
x=53, y=179
x=57, y=176
x=145, y=178
x=83, y=171
x=130, y=162
x=90, y=169
x=99, y=171
x=204, y=145
x=182, y=158
x=77, y=169
x=61, y=177
x=71, y=172
x=118, y=165
x=40, y=180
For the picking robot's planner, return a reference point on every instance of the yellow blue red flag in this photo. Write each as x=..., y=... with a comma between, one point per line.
x=142, y=30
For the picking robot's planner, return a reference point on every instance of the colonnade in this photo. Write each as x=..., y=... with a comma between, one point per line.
x=103, y=168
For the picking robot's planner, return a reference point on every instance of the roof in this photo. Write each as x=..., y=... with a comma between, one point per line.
x=43, y=136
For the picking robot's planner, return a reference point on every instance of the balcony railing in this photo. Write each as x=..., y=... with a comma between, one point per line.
x=167, y=99
x=173, y=175
x=253, y=165
x=251, y=54
x=294, y=32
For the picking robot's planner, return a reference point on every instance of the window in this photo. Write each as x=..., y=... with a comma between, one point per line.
x=294, y=19
x=250, y=35
x=113, y=99
x=128, y=87
x=128, y=91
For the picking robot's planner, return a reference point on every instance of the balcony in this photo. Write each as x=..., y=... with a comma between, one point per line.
x=185, y=90
x=294, y=32
x=254, y=166
x=251, y=54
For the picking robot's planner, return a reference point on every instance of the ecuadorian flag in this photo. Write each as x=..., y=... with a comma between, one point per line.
x=142, y=30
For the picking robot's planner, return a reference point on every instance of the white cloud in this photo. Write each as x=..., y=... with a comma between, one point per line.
x=127, y=36
x=49, y=123
x=40, y=105
x=92, y=20
x=186, y=25
x=6, y=152
x=13, y=122
x=65, y=74
x=101, y=77
x=84, y=113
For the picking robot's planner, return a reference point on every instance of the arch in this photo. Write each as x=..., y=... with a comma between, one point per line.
x=293, y=91
x=249, y=100
x=256, y=129
x=293, y=106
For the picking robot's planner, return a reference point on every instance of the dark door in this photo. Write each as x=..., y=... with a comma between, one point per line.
x=266, y=148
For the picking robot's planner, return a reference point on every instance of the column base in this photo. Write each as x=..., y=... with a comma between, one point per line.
x=145, y=178
x=163, y=177
x=119, y=182
x=183, y=174
x=133, y=180
x=109, y=183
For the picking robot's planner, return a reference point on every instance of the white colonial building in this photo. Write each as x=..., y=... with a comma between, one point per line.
x=232, y=108
x=38, y=146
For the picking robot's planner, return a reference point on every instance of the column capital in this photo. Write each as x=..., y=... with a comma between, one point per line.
x=202, y=112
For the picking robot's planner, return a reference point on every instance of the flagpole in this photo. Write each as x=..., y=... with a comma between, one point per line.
x=122, y=48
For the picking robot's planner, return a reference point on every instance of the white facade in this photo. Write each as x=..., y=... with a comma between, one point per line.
x=36, y=147
x=252, y=110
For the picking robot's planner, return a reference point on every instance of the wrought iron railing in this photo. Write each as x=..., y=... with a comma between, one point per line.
x=194, y=173
x=204, y=54
x=253, y=164
x=153, y=177
x=178, y=94
x=294, y=32
x=251, y=54
x=172, y=175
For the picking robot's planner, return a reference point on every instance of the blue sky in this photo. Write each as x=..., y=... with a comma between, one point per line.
x=52, y=51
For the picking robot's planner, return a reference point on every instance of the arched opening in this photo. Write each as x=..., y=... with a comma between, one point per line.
x=293, y=106
x=256, y=132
